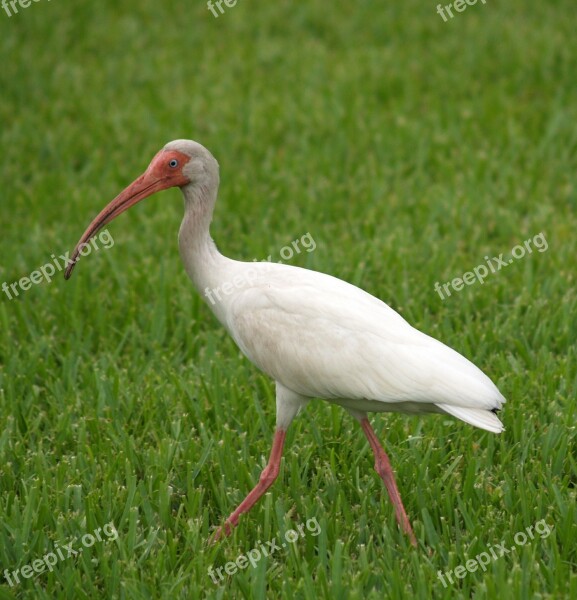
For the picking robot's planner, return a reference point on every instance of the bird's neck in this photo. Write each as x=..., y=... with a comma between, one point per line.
x=204, y=264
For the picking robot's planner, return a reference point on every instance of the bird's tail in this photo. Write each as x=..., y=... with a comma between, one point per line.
x=479, y=417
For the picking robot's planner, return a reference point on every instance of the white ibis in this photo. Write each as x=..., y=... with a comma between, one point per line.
x=315, y=335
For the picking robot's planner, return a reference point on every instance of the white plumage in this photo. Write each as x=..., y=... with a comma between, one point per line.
x=321, y=337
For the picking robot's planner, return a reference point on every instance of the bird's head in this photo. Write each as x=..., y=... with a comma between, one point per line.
x=179, y=164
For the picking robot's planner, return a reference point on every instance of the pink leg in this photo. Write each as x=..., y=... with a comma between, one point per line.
x=383, y=468
x=267, y=478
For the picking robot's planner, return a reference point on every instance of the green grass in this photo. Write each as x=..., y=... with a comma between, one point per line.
x=409, y=148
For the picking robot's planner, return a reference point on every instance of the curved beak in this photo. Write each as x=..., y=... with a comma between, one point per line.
x=146, y=185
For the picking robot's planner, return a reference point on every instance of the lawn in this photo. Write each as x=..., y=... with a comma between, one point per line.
x=409, y=148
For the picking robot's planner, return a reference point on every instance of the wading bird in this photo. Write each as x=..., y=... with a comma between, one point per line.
x=315, y=335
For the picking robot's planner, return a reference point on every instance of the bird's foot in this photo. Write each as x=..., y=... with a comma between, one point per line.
x=222, y=532
x=406, y=526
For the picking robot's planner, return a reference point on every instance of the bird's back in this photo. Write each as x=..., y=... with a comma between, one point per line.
x=323, y=337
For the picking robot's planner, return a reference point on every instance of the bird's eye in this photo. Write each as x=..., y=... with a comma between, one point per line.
x=173, y=163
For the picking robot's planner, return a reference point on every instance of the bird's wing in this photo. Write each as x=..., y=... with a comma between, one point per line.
x=323, y=337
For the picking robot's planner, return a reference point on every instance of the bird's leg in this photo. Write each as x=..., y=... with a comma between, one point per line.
x=383, y=468
x=267, y=478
